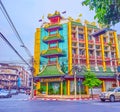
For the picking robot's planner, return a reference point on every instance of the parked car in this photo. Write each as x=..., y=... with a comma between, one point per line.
x=27, y=92
x=13, y=92
x=5, y=94
x=112, y=94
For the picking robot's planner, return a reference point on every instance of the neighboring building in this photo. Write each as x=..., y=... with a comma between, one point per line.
x=12, y=76
x=62, y=44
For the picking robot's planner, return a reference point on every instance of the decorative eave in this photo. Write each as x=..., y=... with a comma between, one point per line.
x=52, y=27
x=56, y=14
x=53, y=38
x=51, y=70
x=52, y=52
x=92, y=26
x=76, y=23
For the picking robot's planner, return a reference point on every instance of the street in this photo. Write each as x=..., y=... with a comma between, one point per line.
x=21, y=103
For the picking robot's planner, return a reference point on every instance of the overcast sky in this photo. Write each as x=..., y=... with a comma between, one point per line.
x=25, y=15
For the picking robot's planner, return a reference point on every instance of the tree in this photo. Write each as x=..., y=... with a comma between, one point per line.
x=63, y=67
x=91, y=81
x=107, y=11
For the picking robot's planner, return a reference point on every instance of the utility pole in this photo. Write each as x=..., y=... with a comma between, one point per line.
x=75, y=92
x=79, y=88
x=32, y=74
x=117, y=81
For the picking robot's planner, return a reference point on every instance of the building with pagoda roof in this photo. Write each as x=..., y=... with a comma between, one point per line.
x=61, y=44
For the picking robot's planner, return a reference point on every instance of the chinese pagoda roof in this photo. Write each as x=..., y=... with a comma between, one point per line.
x=51, y=70
x=54, y=15
x=92, y=26
x=53, y=38
x=50, y=27
x=52, y=52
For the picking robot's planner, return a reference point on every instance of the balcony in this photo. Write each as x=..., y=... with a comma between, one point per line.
x=74, y=38
x=92, y=57
x=82, y=56
x=53, y=27
x=97, y=42
x=99, y=58
x=53, y=52
x=107, y=58
x=52, y=62
x=53, y=38
x=81, y=40
x=75, y=56
x=90, y=41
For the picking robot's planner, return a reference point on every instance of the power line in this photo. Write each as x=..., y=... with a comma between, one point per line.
x=13, y=28
x=3, y=37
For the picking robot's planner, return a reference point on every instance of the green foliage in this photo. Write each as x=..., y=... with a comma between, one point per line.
x=107, y=11
x=63, y=67
x=91, y=80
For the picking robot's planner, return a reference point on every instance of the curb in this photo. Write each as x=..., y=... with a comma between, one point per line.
x=62, y=99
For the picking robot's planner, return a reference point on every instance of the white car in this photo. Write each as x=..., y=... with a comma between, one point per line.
x=112, y=94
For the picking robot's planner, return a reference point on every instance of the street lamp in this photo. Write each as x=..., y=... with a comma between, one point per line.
x=79, y=84
x=76, y=68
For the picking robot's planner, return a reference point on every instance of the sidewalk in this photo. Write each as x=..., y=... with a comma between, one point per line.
x=66, y=97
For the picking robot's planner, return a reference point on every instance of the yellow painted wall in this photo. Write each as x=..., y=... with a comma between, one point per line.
x=102, y=48
x=103, y=86
x=116, y=46
x=37, y=86
x=68, y=87
x=37, y=52
x=87, y=50
x=69, y=48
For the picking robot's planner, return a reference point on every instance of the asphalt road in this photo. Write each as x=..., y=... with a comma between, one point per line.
x=20, y=103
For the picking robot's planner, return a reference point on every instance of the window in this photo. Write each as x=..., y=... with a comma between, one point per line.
x=97, y=39
x=98, y=53
x=81, y=52
x=112, y=54
x=89, y=38
x=90, y=46
x=104, y=39
x=97, y=47
x=106, y=54
x=74, y=51
x=80, y=36
x=81, y=45
x=105, y=48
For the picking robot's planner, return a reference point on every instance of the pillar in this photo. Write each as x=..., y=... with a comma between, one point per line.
x=69, y=48
x=103, y=54
x=37, y=87
x=61, y=88
x=103, y=86
x=87, y=50
x=36, y=63
x=68, y=87
x=87, y=90
x=46, y=88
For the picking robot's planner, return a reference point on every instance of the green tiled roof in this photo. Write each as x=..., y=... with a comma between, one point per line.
x=51, y=70
x=52, y=51
x=92, y=68
x=91, y=26
x=100, y=69
x=55, y=37
x=76, y=23
x=108, y=72
x=53, y=26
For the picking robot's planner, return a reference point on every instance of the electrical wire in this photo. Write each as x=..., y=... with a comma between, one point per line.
x=3, y=37
x=14, y=29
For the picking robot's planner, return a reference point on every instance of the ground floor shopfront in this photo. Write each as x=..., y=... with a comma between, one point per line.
x=68, y=85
